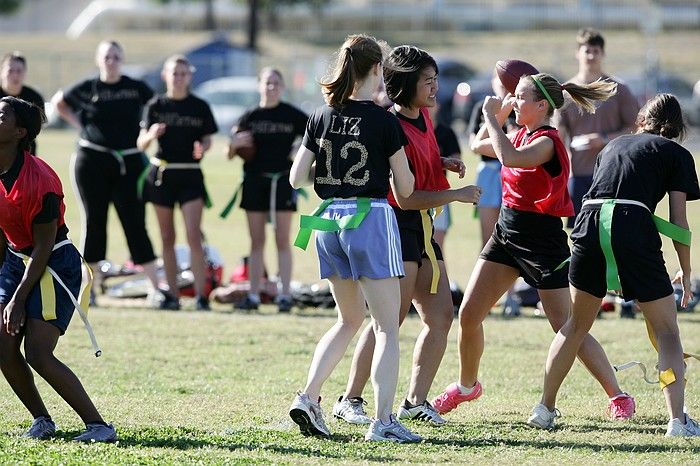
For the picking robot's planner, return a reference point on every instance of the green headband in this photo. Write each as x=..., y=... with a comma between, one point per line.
x=544, y=91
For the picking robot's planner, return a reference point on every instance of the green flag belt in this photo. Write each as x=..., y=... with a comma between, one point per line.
x=307, y=223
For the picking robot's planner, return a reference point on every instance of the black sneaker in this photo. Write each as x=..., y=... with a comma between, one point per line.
x=284, y=304
x=202, y=303
x=170, y=302
x=247, y=304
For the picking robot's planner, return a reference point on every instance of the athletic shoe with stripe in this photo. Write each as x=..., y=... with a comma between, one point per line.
x=308, y=416
x=42, y=428
x=678, y=429
x=453, y=396
x=394, y=431
x=351, y=410
x=542, y=418
x=621, y=407
x=422, y=412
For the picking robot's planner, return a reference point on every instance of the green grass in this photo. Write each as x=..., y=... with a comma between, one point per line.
x=214, y=388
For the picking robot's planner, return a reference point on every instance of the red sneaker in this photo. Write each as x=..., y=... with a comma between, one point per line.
x=452, y=397
x=621, y=407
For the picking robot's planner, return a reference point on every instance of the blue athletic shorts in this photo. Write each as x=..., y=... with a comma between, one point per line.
x=488, y=178
x=51, y=304
x=372, y=250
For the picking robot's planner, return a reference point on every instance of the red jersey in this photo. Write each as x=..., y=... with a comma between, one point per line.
x=25, y=200
x=534, y=189
x=423, y=155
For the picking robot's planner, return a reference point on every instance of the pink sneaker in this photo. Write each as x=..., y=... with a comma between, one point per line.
x=452, y=397
x=621, y=407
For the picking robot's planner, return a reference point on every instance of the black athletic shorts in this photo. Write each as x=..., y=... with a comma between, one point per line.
x=636, y=245
x=176, y=186
x=413, y=246
x=255, y=195
x=534, y=244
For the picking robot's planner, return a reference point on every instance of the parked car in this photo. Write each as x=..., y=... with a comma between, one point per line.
x=229, y=98
x=453, y=75
x=468, y=94
x=645, y=87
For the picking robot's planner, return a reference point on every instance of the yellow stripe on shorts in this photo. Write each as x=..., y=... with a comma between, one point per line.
x=48, y=297
x=429, y=251
x=48, y=294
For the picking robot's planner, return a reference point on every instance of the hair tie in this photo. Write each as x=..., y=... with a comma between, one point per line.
x=349, y=51
x=544, y=91
x=561, y=86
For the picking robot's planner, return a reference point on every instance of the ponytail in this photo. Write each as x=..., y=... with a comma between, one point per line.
x=584, y=95
x=356, y=57
x=662, y=115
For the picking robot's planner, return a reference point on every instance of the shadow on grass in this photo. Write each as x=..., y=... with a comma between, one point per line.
x=499, y=439
x=248, y=440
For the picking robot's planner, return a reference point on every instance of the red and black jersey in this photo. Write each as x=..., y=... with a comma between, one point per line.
x=423, y=155
x=353, y=145
x=24, y=201
x=539, y=189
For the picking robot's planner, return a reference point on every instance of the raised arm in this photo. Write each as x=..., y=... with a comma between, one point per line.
x=528, y=156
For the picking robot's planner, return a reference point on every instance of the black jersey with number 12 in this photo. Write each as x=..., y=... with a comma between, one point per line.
x=353, y=145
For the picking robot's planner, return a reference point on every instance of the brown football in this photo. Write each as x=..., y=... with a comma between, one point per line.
x=247, y=153
x=510, y=72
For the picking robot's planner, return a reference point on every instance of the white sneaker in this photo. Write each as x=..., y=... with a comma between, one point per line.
x=677, y=429
x=308, y=416
x=392, y=432
x=97, y=433
x=542, y=417
x=422, y=412
x=351, y=410
x=42, y=428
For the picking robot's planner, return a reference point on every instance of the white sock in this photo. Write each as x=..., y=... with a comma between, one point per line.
x=465, y=390
x=255, y=297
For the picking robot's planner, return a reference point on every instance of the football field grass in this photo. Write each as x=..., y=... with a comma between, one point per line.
x=214, y=388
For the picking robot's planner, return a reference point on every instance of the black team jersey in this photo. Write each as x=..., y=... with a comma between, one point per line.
x=353, y=146
x=187, y=120
x=274, y=131
x=643, y=167
x=109, y=113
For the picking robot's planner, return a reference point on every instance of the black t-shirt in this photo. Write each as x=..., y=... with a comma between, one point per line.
x=51, y=203
x=643, y=167
x=274, y=131
x=30, y=95
x=446, y=140
x=187, y=120
x=353, y=146
x=417, y=122
x=109, y=113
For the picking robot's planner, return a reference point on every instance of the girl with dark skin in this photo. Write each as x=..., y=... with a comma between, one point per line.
x=30, y=247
